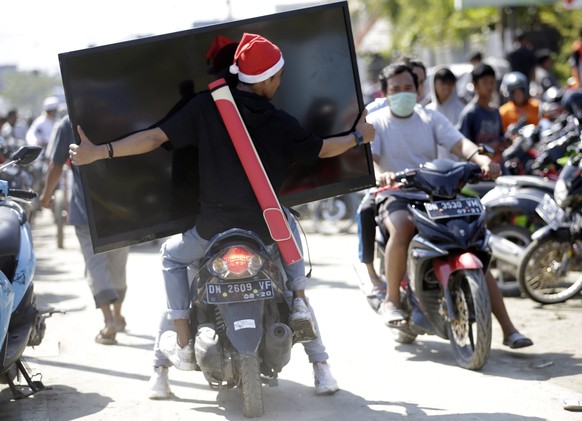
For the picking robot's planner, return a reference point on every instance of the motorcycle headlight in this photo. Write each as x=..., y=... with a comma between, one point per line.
x=560, y=192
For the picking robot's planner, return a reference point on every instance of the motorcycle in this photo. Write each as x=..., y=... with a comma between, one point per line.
x=444, y=291
x=242, y=337
x=511, y=217
x=22, y=324
x=550, y=270
x=511, y=204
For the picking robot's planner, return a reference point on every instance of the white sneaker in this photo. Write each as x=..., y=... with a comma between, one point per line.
x=325, y=383
x=182, y=358
x=300, y=321
x=159, y=385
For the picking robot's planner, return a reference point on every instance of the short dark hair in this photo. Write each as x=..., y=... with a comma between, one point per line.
x=482, y=70
x=444, y=74
x=395, y=69
x=412, y=62
x=475, y=56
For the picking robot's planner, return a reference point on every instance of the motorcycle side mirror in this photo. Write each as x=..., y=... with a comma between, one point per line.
x=26, y=154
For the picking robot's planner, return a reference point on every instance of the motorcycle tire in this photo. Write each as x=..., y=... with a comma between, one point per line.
x=252, y=388
x=537, y=272
x=334, y=215
x=470, y=330
x=506, y=274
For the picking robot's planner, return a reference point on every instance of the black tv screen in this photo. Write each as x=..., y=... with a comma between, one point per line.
x=118, y=89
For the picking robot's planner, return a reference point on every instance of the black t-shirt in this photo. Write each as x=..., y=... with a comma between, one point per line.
x=226, y=198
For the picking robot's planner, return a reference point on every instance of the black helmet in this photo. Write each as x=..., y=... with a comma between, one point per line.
x=572, y=102
x=512, y=81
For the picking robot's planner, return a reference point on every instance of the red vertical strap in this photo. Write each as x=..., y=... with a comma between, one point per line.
x=272, y=211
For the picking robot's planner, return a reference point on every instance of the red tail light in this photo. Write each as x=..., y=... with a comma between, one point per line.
x=237, y=260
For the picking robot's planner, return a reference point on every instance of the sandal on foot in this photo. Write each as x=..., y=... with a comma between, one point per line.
x=106, y=336
x=394, y=317
x=517, y=340
x=573, y=405
x=378, y=291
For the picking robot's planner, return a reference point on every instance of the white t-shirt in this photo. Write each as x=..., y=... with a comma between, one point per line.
x=404, y=143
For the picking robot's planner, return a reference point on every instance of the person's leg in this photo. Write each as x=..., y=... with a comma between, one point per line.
x=117, y=268
x=159, y=384
x=99, y=279
x=401, y=228
x=300, y=320
x=511, y=336
x=366, y=223
x=177, y=253
x=325, y=383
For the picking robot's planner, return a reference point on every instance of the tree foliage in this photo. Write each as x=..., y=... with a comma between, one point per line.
x=434, y=23
x=27, y=90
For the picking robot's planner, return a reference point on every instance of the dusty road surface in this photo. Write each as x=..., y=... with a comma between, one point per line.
x=379, y=379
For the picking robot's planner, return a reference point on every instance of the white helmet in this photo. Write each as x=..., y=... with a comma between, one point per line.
x=51, y=104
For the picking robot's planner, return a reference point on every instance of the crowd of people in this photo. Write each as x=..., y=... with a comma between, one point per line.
x=405, y=125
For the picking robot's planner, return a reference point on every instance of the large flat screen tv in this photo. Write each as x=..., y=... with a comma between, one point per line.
x=118, y=89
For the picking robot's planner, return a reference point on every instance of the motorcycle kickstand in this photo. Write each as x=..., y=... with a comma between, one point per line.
x=35, y=386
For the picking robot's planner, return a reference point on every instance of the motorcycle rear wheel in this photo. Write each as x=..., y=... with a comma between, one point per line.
x=334, y=215
x=538, y=271
x=252, y=388
x=470, y=330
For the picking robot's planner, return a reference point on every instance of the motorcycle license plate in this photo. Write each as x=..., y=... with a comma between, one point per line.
x=550, y=212
x=453, y=208
x=237, y=292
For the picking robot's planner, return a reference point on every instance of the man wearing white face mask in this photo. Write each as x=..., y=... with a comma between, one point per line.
x=407, y=135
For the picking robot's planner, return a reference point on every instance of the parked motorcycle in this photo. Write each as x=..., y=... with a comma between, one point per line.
x=511, y=217
x=550, y=270
x=22, y=324
x=242, y=336
x=511, y=204
x=444, y=292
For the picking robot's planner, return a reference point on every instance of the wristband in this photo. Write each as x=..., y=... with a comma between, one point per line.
x=359, y=137
x=109, y=150
x=472, y=155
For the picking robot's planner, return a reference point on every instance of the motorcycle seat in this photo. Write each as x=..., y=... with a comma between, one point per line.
x=526, y=181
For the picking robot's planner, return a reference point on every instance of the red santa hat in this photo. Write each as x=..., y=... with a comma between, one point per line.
x=256, y=59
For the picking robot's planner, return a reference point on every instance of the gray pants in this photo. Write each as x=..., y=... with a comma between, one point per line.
x=185, y=250
x=105, y=271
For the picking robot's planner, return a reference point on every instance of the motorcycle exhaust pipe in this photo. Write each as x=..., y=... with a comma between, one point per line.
x=278, y=343
x=505, y=250
x=208, y=352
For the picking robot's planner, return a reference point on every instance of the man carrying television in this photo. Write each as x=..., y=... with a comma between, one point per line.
x=227, y=199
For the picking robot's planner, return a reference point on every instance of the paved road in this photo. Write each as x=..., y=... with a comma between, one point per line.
x=380, y=379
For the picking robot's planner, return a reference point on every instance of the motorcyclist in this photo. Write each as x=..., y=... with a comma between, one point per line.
x=519, y=105
x=226, y=198
x=407, y=135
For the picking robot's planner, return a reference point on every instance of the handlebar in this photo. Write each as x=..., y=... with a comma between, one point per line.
x=22, y=194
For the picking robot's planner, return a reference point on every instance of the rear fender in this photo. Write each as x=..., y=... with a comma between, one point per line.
x=445, y=266
x=244, y=325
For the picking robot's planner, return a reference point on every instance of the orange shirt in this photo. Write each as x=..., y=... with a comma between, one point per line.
x=510, y=113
